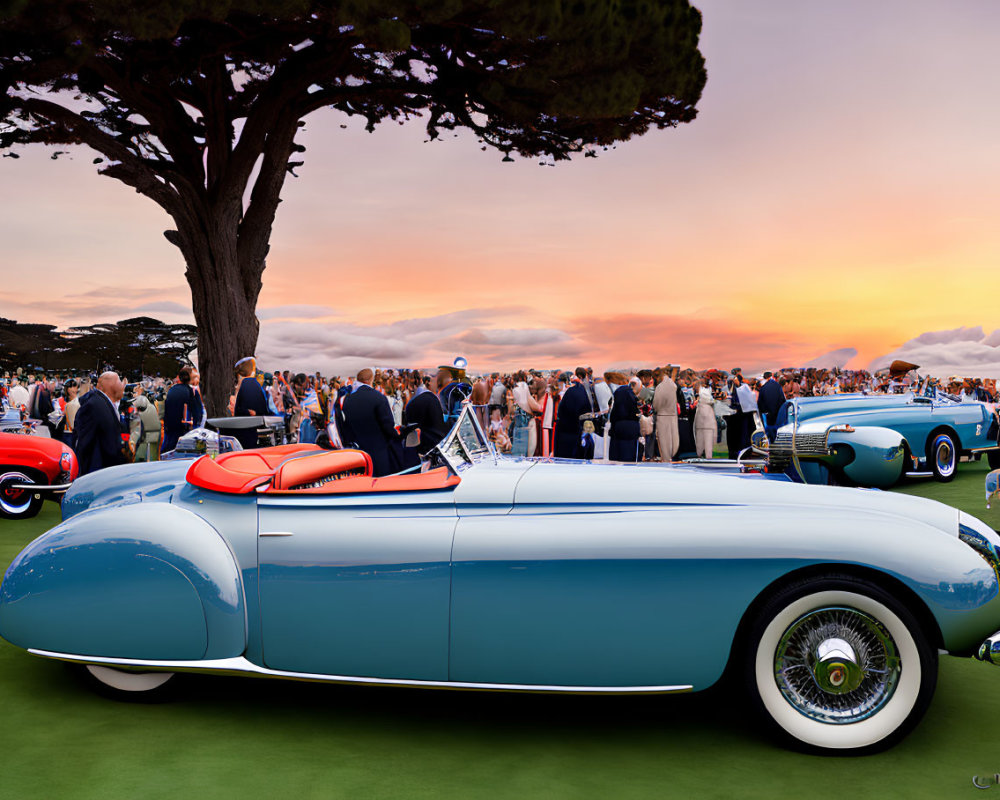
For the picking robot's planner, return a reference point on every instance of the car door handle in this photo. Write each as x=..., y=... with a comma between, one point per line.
x=276, y=533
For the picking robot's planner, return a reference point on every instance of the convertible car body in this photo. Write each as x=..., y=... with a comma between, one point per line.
x=831, y=604
x=874, y=439
x=32, y=468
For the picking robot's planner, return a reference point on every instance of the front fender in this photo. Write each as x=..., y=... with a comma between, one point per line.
x=144, y=581
x=879, y=455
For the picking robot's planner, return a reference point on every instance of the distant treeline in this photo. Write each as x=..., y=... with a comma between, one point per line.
x=136, y=346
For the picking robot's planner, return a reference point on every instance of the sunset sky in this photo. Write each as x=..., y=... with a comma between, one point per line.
x=840, y=189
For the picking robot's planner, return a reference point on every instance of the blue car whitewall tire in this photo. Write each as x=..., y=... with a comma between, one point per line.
x=840, y=666
x=129, y=685
x=944, y=457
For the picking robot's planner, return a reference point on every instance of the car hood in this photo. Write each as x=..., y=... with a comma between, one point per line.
x=600, y=487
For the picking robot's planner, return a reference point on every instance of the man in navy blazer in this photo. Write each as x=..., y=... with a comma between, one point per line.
x=99, y=426
x=624, y=419
x=368, y=425
x=179, y=409
x=425, y=412
x=569, y=430
x=770, y=399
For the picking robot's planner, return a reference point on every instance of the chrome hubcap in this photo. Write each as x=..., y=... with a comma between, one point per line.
x=837, y=665
x=836, y=668
x=12, y=500
x=945, y=455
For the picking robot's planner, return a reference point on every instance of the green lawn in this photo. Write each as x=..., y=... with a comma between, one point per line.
x=249, y=738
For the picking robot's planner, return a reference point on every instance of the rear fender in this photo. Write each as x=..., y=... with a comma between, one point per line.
x=144, y=581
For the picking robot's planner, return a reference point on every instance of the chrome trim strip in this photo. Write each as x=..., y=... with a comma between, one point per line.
x=275, y=533
x=37, y=487
x=240, y=665
x=982, y=449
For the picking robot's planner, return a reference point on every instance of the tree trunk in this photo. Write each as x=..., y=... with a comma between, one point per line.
x=227, y=332
x=225, y=248
x=224, y=299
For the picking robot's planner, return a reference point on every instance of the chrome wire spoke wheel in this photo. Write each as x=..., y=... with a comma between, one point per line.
x=837, y=665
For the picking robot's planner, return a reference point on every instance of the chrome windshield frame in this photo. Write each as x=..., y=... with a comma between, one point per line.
x=455, y=451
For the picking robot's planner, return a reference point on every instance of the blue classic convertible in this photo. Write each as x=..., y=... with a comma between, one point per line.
x=828, y=605
x=876, y=439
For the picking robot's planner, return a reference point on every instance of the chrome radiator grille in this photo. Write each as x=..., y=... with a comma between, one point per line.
x=806, y=444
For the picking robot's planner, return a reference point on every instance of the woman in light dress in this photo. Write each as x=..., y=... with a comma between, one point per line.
x=705, y=426
x=524, y=436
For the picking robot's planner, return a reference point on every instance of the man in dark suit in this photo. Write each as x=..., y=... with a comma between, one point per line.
x=624, y=421
x=736, y=423
x=99, y=426
x=425, y=413
x=250, y=401
x=368, y=425
x=770, y=398
x=179, y=409
x=569, y=430
x=41, y=405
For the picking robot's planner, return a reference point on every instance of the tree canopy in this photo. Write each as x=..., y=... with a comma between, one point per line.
x=135, y=346
x=196, y=103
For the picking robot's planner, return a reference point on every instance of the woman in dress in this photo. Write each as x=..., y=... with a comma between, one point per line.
x=524, y=436
x=705, y=425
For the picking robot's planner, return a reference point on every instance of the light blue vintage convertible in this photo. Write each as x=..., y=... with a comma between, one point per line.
x=876, y=439
x=826, y=606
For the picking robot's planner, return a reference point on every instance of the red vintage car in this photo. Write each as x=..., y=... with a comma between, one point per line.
x=32, y=468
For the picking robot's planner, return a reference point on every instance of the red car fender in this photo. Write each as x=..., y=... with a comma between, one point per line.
x=41, y=454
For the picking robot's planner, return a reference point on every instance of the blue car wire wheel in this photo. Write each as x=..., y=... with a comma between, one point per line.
x=836, y=664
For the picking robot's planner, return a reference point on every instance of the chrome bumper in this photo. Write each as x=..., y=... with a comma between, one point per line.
x=35, y=487
x=990, y=650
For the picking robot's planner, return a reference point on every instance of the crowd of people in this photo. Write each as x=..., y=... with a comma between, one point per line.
x=398, y=415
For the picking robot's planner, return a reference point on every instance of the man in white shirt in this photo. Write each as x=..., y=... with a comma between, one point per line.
x=18, y=394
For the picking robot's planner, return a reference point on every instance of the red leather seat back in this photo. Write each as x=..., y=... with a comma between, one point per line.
x=322, y=468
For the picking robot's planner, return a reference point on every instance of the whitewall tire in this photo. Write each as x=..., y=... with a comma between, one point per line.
x=944, y=457
x=837, y=664
x=17, y=503
x=128, y=685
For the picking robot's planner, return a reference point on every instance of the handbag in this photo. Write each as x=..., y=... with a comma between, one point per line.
x=645, y=425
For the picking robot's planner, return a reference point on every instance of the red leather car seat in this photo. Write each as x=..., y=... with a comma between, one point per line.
x=243, y=471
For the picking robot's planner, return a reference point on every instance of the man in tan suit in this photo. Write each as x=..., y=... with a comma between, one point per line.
x=665, y=408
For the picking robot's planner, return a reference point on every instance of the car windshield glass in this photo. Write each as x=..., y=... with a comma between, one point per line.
x=465, y=442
